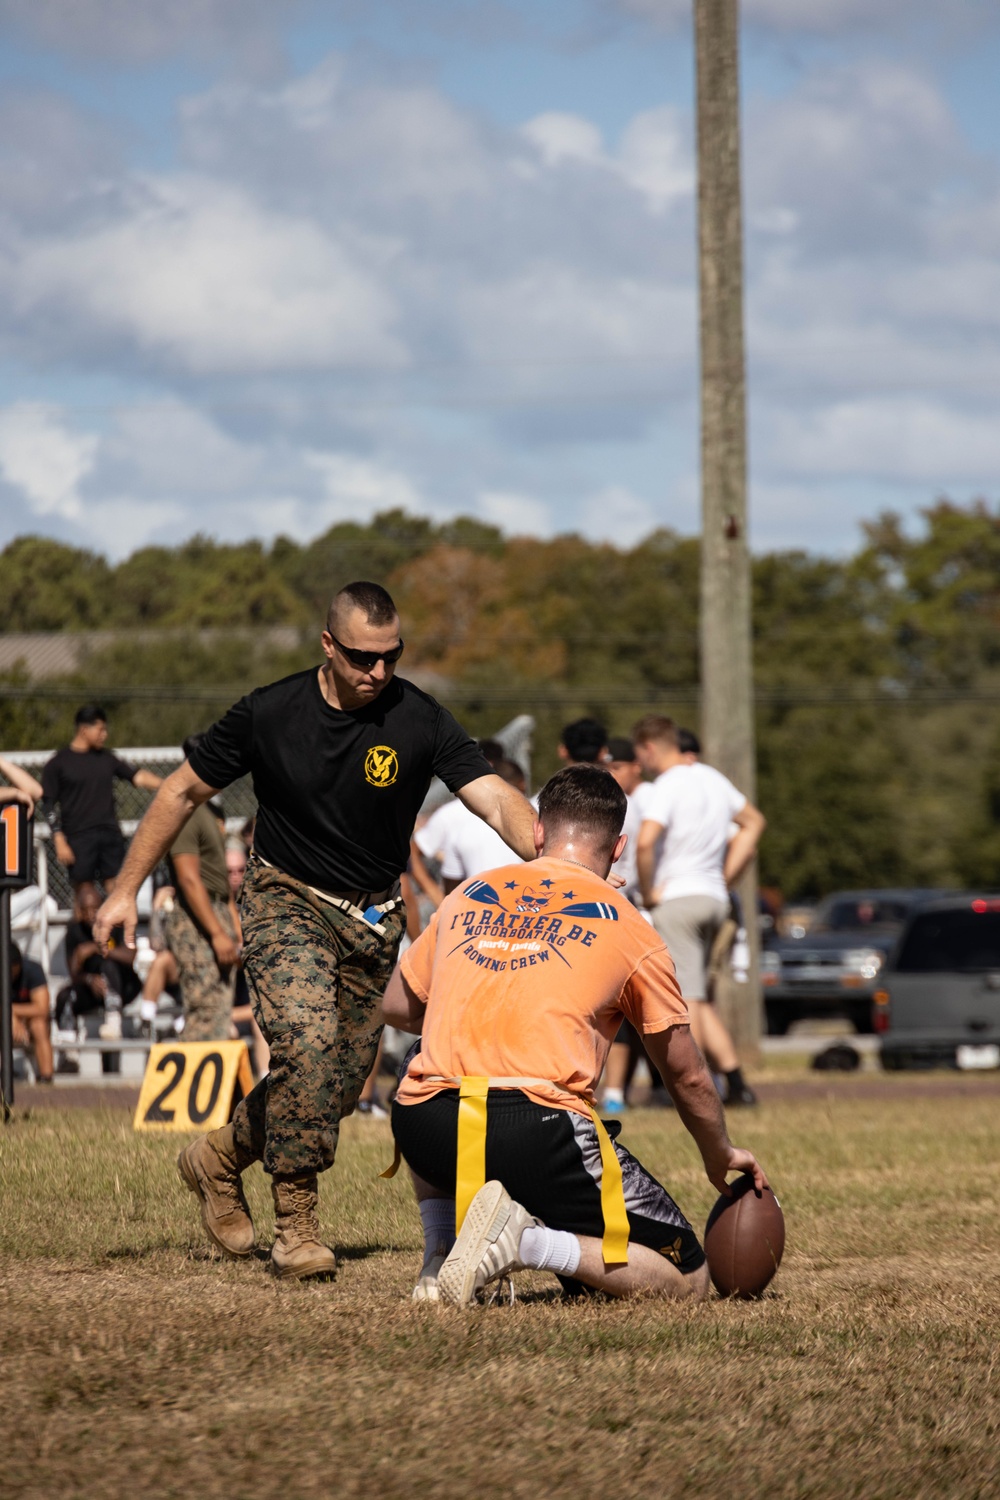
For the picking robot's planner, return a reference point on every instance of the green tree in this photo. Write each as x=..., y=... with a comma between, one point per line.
x=45, y=585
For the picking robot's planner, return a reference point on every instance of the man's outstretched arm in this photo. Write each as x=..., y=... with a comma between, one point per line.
x=505, y=809
x=176, y=800
x=683, y=1070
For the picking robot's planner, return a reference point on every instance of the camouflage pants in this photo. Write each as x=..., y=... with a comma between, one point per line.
x=316, y=977
x=206, y=994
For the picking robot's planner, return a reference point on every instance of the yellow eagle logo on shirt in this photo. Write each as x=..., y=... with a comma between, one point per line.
x=381, y=765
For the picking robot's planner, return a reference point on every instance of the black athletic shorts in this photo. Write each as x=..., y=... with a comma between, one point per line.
x=549, y=1160
x=99, y=853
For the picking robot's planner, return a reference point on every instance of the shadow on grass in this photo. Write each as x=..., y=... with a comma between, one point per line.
x=362, y=1252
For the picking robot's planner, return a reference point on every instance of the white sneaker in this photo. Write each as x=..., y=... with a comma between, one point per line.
x=487, y=1246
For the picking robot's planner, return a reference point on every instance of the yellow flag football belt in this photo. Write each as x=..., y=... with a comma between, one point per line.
x=470, y=1173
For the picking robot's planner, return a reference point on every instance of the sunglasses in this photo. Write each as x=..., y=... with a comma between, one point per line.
x=366, y=660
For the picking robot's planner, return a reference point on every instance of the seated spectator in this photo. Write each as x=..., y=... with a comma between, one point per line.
x=32, y=1026
x=93, y=975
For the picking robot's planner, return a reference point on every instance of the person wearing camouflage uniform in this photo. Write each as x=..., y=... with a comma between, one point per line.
x=202, y=930
x=300, y=950
x=341, y=760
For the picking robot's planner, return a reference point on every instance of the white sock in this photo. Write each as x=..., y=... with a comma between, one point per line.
x=614, y=1096
x=438, y=1218
x=549, y=1250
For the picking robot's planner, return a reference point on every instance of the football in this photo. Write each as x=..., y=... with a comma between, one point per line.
x=744, y=1240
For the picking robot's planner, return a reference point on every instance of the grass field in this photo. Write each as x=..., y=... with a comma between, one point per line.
x=134, y=1362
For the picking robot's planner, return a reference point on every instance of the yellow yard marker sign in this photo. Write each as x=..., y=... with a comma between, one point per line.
x=192, y=1085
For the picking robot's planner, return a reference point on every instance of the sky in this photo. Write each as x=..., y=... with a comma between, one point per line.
x=266, y=265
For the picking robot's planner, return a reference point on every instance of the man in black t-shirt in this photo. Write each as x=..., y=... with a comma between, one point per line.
x=341, y=759
x=78, y=785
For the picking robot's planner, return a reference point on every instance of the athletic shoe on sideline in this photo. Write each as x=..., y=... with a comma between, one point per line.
x=613, y=1107
x=743, y=1096
x=487, y=1246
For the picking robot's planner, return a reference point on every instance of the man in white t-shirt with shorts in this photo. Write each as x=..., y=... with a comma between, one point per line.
x=698, y=835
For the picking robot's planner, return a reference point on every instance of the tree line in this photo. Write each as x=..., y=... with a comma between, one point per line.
x=878, y=674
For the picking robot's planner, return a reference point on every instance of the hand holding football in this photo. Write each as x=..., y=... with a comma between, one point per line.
x=744, y=1240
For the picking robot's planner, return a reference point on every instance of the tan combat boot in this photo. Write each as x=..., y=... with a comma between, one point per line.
x=211, y=1167
x=298, y=1250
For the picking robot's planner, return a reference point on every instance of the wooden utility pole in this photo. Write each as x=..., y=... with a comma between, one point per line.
x=727, y=718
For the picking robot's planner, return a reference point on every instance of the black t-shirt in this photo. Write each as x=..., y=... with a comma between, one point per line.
x=82, y=782
x=338, y=791
x=32, y=978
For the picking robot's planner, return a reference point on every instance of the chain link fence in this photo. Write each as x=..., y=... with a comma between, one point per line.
x=237, y=800
x=130, y=803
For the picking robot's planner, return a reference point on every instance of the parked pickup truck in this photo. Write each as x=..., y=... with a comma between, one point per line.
x=937, y=1002
x=833, y=968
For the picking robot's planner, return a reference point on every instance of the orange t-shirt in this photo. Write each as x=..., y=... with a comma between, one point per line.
x=526, y=971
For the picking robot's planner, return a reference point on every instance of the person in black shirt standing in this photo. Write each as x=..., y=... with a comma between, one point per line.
x=78, y=785
x=341, y=759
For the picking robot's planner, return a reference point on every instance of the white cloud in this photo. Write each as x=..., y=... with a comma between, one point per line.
x=43, y=459
x=888, y=438
x=517, y=515
x=356, y=488
x=143, y=31
x=203, y=279
x=615, y=514
x=654, y=157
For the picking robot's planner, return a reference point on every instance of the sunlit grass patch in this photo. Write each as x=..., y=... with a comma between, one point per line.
x=137, y=1361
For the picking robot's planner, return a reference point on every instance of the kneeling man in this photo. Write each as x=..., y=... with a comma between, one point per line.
x=517, y=988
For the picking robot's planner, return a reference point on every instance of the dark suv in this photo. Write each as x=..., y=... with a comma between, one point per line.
x=937, y=1003
x=834, y=968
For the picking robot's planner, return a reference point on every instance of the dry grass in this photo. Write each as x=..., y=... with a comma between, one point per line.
x=133, y=1361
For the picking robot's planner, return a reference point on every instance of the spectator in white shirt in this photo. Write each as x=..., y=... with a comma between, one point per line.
x=687, y=857
x=432, y=837
x=469, y=846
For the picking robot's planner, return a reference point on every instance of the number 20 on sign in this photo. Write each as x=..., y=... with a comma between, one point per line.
x=191, y=1085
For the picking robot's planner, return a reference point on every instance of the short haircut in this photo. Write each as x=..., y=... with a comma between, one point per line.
x=371, y=598
x=493, y=751
x=621, y=748
x=585, y=739
x=688, y=742
x=16, y=958
x=90, y=713
x=191, y=744
x=586, y=797
x=217, y=810
x=655, y=727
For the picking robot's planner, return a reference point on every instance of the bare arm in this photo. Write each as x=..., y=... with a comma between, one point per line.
x=187, y=868
x=750, y=824
x=147, y=780
x=166, y=815
x=21, y=780
x=683, y=1069
x=402, y=1007
x=650, y=834
x=505, y=810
